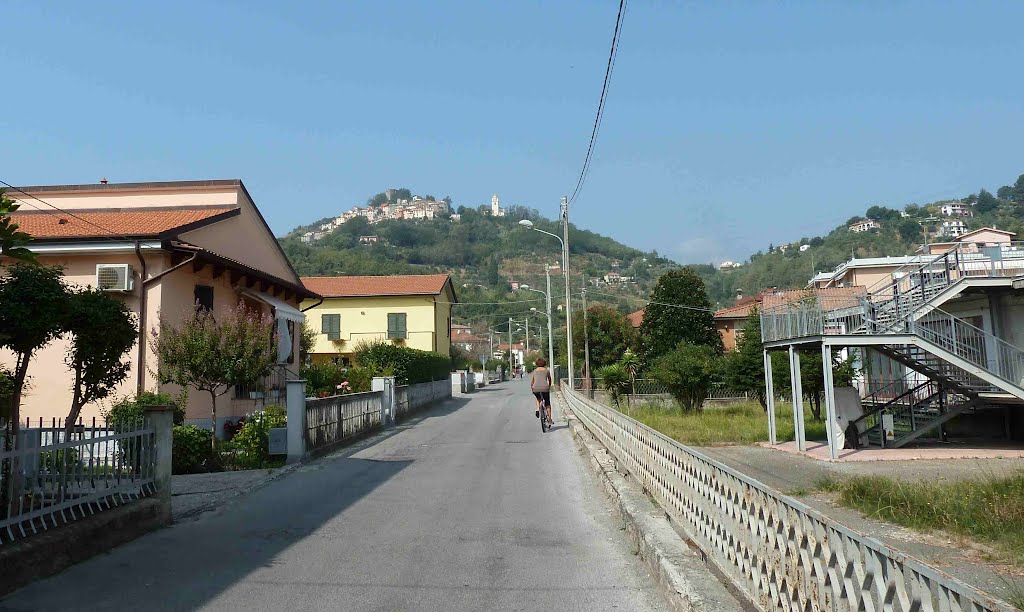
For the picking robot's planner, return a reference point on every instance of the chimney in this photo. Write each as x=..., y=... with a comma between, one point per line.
x=103, y=180
x=739, y=295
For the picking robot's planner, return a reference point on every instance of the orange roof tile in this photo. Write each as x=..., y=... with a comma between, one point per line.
x=832, y=297
x=366, y=286
x=113, y=224
x=636, y=318
x=739, y=311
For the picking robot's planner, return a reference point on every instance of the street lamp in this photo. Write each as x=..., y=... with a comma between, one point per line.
x=547, y=298
x=565, y=270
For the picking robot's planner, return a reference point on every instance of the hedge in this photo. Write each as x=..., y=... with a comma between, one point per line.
x=408, y=366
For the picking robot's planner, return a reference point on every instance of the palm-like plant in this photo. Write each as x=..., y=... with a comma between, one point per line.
x=631, y=362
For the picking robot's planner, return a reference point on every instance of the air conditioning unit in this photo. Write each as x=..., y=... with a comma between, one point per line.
x=114, y=277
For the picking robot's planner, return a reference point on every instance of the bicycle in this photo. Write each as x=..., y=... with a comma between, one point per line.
x=545, y=422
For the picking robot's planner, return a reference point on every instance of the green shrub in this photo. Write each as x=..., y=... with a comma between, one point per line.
x=6, y=390
x=359, y=379
x=322, y=378
x=688, y=372
x=130, y=410
x=615, y=380
x=407, y=365
x=252, y=440
x=190, y=450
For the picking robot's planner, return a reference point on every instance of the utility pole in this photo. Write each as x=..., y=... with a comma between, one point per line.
x=551, y=341
x=527, y=340
x=568, y=293
x=586, y=341
x=511, y=359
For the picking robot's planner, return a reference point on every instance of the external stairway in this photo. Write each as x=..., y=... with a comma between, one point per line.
x=963, y=366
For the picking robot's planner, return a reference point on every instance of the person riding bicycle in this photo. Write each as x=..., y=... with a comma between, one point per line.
x=540, y=385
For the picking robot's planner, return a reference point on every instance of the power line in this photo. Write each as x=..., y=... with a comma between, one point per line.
x=601, y=101
x=112, y=233
x=680, y=306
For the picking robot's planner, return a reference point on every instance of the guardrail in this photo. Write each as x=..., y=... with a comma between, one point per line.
x=332, y=419
x=52, y=478
x=781, y=553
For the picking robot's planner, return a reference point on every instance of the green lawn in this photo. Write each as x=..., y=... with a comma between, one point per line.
x=737, y=424
x=988, y=510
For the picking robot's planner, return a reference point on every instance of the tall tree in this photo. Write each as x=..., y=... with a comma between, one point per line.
x=215, y=354
x=102, y=330
x=744, y=367
x=679, y=311
x=610, y=334
x=33, y=301
x=986, y=202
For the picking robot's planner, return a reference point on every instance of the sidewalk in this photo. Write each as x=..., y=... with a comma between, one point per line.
x=797, y=476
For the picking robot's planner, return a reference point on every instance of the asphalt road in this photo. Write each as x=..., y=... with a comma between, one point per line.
x=468, y=508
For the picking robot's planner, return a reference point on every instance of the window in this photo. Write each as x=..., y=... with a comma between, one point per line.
x=203, y=297
x=330, y=324
x=396, y=325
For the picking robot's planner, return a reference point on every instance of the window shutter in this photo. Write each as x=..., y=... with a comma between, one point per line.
x=396, y=325
x=330, y=324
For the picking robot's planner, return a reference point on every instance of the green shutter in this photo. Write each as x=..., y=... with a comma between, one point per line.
x=396, y=325
x=330, y=324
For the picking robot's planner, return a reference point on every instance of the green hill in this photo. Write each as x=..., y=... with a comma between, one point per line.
x=901, y=233
x=483, y=253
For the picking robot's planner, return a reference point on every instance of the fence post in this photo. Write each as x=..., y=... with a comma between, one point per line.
x=161, y=420
x=385, y=384
x=295, y=396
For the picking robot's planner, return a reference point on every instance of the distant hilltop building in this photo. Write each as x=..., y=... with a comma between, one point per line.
x=729, y=265
x=417, y=208
x=957, y=209
x=496, y=210
x=863, y=226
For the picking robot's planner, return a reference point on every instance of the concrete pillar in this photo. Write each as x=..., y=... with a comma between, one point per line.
x=458, y=382
x=798, y=399
x=830, y=400
x=295, y=398
x=161, y=420
x=385, y=384
x=769, y=397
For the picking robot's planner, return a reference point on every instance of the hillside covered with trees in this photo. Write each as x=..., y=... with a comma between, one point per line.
x=901, y=233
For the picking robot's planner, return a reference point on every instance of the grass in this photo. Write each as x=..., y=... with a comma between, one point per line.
x=989, y=510
x=744, y=423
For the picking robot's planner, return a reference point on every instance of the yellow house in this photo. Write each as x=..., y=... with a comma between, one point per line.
x=414, y=310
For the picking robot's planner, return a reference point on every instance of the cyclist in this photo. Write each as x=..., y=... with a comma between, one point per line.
x=540, y=385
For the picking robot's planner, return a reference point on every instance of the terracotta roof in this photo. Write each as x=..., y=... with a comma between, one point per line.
x=739, y=311
x=367, y=286
x=833, y=297
x=636, y=318
x=116, y=224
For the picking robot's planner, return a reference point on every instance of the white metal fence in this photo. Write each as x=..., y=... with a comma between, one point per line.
x=783, y=554
x=339, y=417
x=50, y=478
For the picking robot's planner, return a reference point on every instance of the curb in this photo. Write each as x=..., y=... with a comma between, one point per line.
x=681, y=572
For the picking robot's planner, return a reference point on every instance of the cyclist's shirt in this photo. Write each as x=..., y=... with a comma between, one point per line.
x=540, y=380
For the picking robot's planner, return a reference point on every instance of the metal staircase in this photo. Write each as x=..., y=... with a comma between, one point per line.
x=915, y=412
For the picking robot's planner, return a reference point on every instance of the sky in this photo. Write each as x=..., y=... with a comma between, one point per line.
x=729, y=125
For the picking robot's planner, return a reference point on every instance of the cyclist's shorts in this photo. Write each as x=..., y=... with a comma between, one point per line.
x=543, y=395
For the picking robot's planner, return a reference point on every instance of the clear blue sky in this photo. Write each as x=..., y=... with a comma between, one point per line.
x=730, y=125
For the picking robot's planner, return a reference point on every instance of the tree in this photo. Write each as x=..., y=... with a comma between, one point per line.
x=679, y=311
x=744, y=367
x=12, y=240
x=215, y=354
x=307, y=341
x=688, y=372
x=614, y=380
x=33, y=300
x=986, y=202
x=610, y=332
x=102, y=330
x=909, y=230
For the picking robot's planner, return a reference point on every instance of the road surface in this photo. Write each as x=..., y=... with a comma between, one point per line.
x=468, y=508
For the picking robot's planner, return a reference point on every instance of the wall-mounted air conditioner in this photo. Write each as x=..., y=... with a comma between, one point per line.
x=114, y=277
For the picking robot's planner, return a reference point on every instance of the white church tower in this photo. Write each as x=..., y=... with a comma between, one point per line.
x=496, y=210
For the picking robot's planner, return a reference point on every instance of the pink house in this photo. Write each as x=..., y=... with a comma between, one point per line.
x=161, y=248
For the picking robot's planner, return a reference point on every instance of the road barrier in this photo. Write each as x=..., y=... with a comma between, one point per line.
x=781, y=553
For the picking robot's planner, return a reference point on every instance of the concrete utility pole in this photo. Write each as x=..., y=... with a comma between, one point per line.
x=568, y=294
x=527, y=340
x=551, y=339
x=586, y=340
x=511, y=359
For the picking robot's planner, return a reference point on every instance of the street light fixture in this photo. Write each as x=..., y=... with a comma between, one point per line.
x=547, y=299
x=565, y=271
